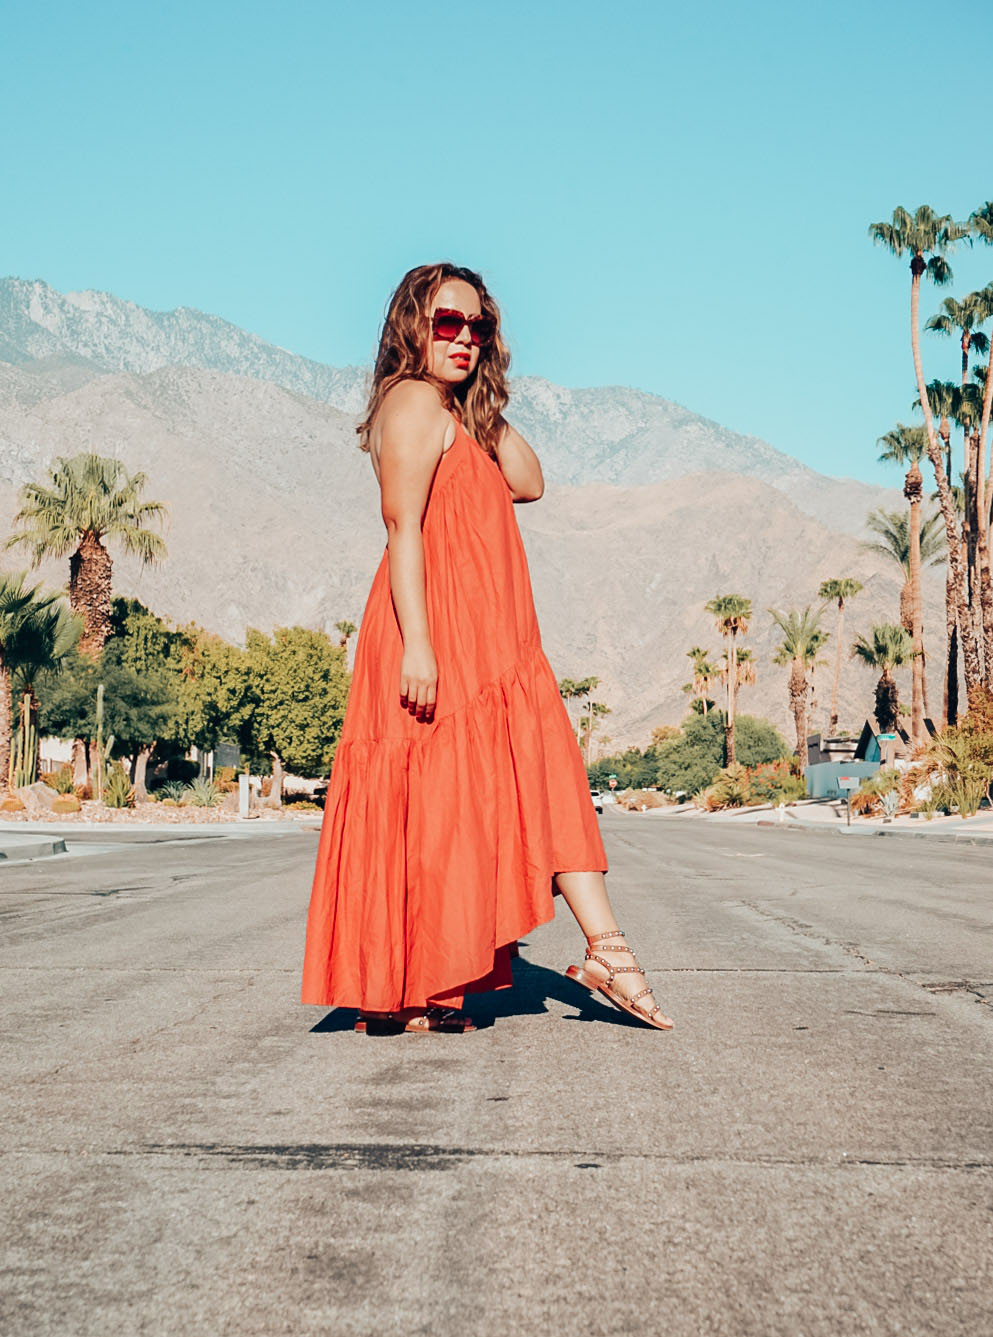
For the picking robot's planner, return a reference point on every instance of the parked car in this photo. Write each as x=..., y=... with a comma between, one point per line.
x=597, y=798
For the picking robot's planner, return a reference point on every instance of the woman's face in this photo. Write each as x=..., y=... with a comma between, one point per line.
x=455, y=362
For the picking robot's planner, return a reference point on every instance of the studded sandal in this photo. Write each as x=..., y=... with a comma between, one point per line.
x=597, y=985
x=446, y=1019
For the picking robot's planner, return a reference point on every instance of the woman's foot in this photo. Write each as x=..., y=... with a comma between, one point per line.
x=611, y=968
x=445, y=1019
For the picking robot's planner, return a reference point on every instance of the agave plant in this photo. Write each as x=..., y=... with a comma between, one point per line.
x=174, y=789
x=118, y=792
x=203, y=793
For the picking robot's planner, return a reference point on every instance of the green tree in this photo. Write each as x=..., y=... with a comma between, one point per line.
x=139, y=708
x=299, y=689
x=690, y=761
x=890, y=648
x=803, y=637
x=838, y=591
x=731, y=613
x=89, y=498
x=927, y=234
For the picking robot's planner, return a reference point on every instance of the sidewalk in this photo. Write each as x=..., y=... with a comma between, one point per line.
x=21, y=841
x=830, y=815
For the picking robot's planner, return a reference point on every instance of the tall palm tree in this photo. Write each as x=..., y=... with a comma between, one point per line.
x=893, y=529
x=590, y=723
x=981, y=224
x=963, y=318
x=90, y=498
x=704, y=675
x=890, y=648
x=731, y=613
x=803, y=637
x=18, y=606
x=838, y=591
x=907, y=446
x=927, y=234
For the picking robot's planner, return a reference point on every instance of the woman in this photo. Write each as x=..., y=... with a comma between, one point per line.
x=458, y=800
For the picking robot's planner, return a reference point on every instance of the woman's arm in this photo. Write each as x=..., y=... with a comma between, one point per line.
x=519, y=465
x=413, y=436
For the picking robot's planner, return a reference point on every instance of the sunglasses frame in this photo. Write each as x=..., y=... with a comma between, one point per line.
x=475, y=336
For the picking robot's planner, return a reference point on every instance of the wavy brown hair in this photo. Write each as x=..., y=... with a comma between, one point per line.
x=403, y=344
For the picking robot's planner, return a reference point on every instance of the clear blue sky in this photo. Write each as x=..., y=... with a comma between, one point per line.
x=669, y=196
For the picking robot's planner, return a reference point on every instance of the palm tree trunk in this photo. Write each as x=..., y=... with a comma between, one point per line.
x=732, y=699
x=887, y=703
x=6, y=725
x=833, y=726
x=950, y=709
x=798, y=705
x=275, y=799
x=140, y=769
x=973, y=673
x=90, y=590
x=913, y=491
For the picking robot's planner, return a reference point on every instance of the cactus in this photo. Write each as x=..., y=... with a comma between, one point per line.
x=63, y=780
x=25, y=747
x=102, y=748
x=66, y=803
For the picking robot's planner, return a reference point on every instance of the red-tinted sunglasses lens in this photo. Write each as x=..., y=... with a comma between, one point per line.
x=448, y=326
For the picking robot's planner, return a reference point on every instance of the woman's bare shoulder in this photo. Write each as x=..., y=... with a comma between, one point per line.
x=411, y=402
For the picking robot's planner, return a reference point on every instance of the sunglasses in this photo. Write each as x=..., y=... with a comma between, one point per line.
x=447, y=325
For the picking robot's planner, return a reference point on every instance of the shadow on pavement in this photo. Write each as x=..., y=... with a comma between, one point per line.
x=533, y=986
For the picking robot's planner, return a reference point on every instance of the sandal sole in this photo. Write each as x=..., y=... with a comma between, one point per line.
x=577, y=974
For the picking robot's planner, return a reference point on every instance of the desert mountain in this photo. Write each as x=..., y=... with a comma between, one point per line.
x=649, y=512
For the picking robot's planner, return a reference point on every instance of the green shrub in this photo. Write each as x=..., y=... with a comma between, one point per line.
x=172, y=789
x=62, y=781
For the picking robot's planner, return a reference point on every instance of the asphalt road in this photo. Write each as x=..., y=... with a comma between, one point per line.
x=188, y=1150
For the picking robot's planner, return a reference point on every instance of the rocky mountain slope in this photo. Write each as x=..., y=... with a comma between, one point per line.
x=606, y=434
x=274, y=520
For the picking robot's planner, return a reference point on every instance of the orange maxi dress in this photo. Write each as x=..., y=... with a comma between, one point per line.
x=439, y=841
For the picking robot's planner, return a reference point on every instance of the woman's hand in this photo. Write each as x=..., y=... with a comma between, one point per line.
x=419, y=680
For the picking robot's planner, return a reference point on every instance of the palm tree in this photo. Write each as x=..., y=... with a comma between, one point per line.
x=590, y=723
x=90, y=498
x=963, y=318
x=908, y=446
x=981, y=223
x=803, y=637
x=890, y=648
x=893, y=528
x=345, y=629
x=838, y=591
x=926, y=233
x=704, y=674
x=731, y=613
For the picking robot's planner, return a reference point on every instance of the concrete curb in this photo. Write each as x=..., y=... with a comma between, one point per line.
x=49, y=838
x=15, y=848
